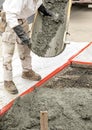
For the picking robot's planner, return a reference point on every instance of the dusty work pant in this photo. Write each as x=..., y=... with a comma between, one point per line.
x=9, y=39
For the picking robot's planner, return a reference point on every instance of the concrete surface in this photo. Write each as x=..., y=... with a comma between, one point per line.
x=85, y=56
x=67, y=97
x=80, y=27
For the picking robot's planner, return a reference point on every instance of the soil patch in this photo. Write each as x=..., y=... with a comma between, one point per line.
x=67, y=97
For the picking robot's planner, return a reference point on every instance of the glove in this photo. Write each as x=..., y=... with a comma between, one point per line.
x=22, y=35
x=43, y=10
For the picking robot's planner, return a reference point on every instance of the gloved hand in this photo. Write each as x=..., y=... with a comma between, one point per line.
x=45, y=12
x=22, y=35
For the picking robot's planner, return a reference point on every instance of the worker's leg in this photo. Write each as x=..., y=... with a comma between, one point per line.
x=8, y=44
x=24, y=53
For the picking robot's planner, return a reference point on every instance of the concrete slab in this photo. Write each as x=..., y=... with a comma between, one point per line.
x=44, y=66
x=80, y=24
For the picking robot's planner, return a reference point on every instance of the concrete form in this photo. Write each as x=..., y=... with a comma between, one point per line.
x=83, y=58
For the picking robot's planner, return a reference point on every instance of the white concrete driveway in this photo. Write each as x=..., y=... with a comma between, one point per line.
x=81, y=23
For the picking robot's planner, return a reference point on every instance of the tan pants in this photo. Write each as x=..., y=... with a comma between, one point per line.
x=9, y=39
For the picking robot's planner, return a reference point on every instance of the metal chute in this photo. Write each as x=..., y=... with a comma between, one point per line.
x=49, y=34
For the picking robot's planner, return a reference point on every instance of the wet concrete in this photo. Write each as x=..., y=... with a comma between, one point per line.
x=67, y=97
x=49, y=35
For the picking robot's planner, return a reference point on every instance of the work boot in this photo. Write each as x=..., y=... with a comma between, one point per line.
x=10, y=87
x=31, y=75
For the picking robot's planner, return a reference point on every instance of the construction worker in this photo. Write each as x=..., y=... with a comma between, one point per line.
x=17, y=31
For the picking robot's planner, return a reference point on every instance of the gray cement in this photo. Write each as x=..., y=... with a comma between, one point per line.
x=67, y=97
x=48, y=33
x=1, y=2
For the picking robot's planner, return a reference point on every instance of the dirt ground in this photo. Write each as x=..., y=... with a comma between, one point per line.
x=67, y=97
